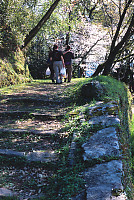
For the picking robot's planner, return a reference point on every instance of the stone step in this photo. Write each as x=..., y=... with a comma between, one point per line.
x=29, y=114
x=42, y=156
x=32, y=101
x=25, y=131
x=4, y=192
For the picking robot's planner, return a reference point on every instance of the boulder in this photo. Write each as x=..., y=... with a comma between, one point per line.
x=92, y=90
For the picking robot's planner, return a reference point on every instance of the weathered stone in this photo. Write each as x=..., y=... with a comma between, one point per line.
x=11, y=152
x=103, y=179
x=43, y=156
x=103, y=109
x=104, y=143
x=72, y=150
x=5, y=192
x=19, y=114
x=33, y=101
x=92, y=90
x=107, y=120
x=25, y=131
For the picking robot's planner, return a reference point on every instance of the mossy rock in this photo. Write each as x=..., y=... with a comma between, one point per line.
x=92, y=90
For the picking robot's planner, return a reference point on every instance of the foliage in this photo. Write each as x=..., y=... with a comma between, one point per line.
x=121, y=35
x=19, y=17
x=37, y=56
x=13, y=70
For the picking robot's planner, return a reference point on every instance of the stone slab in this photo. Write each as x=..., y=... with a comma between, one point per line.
x=42, y=156
x=104, y=143
x=11, y=152
x=107, y=120
x=102, y=108
x=6, y=193
x=103, y=179
x=25, y=131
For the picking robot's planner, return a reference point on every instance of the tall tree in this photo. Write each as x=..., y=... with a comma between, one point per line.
x=115, y=45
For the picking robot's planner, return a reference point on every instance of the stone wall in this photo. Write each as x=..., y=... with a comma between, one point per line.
x=104, y=179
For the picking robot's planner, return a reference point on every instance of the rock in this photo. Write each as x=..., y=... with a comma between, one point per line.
x=5, y=192
x=102, y=144
x=107, y=120
x=92, y=90
x=103, y=179
x=102, y=109
x=11, y=152
x=43, y=156
x=71, y=155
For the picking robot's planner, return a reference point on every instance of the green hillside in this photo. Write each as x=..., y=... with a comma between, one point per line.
x=13, y=69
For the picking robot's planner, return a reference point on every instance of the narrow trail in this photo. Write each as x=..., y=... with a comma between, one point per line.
x=31, y=120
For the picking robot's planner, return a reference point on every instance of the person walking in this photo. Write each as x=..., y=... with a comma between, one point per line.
x=58, y=62
x=68, y=56
x=50, y=65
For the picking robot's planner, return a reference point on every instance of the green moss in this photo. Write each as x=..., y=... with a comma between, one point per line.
x=13, y=70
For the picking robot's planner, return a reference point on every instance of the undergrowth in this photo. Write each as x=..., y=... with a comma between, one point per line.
x=13, y=70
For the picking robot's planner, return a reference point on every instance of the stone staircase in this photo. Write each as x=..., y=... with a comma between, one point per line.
x=29, y=128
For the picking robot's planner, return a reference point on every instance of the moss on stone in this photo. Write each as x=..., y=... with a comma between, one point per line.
x=13, y=70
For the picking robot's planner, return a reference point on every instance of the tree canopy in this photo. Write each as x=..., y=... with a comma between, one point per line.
x=34, y=24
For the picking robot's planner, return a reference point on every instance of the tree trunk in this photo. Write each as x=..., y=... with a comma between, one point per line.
x=119, y=24
x=35, y=30
x=112, y=55
x=106, y=66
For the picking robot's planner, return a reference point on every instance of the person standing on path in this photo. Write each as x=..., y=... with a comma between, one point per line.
x=50, y=65
x=58, y=62
x=68, y=56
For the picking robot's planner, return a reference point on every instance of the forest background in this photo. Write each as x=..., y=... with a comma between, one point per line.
x=100, y=33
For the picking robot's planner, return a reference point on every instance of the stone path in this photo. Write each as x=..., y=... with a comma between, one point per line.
x=31, y=127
